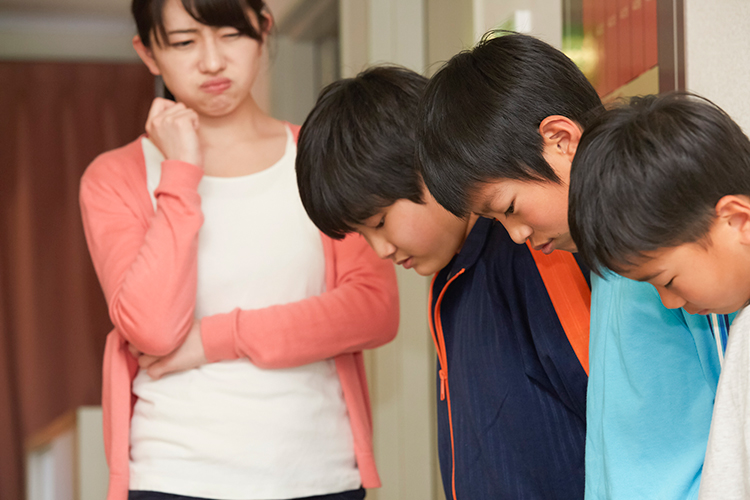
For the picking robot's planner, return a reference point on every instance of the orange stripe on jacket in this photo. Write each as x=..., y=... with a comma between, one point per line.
x=570, y=296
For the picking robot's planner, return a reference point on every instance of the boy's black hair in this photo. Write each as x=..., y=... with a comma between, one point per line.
x=217, y=13
x=480, y=115
x=648, y=175
x=355, y=152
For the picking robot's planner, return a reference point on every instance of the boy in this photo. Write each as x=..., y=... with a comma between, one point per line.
x=512, y=387
x=499, y=128
x=660, y=192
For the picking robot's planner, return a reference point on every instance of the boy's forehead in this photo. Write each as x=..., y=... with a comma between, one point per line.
x=637, y=273
x=647, y=266
x=485, y=194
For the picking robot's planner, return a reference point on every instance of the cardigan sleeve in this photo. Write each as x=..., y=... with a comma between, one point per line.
x=360, y=312
x=146, y=262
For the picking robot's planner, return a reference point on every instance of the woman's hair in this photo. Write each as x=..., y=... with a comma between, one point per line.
x=649, y=174
x=480, y=115
x=149, y=20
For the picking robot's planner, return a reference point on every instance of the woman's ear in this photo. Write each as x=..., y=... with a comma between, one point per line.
x=270, y=22
x=146, y=55
x=560, y=135
x=735, y=209
x=255, y=21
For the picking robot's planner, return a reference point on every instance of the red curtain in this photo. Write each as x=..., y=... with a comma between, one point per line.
x=54, y=119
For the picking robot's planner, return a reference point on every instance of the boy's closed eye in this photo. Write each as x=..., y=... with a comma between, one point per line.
x=376, y=221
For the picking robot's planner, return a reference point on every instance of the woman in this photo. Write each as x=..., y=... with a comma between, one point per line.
x=234, y=370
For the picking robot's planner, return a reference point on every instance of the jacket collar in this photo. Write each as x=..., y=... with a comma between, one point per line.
x=473, y=246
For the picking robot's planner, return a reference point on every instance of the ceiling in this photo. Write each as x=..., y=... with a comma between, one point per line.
x=118, y=8
x=71, y=7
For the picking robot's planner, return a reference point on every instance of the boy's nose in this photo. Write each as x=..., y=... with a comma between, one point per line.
x=670, y=299
x=519, y=233
x=382, y=247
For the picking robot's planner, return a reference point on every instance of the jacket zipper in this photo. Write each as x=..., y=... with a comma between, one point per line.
x=439, y=339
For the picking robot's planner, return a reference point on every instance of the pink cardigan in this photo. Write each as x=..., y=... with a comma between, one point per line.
x=146, y=262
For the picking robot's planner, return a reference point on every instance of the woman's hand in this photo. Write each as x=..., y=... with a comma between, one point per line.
x=186, y=357
x=173, y=128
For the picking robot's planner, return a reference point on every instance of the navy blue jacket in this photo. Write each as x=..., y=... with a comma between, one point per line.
x=517, y=390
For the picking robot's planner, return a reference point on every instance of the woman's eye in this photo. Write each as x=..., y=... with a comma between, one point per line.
x=381, y=223
x=669, y=284
x=181, y=43
x=510, y=208
x=232, y=34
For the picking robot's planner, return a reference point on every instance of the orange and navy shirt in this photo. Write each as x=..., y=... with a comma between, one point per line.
x=511, y=380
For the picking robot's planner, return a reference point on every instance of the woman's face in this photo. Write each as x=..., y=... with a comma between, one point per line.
x=211, y=70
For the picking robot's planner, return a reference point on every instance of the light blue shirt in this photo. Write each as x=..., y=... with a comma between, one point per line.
x=652, y=383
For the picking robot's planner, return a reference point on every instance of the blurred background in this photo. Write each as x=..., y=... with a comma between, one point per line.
x=72, y=87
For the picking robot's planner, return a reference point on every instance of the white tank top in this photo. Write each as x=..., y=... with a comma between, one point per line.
x=231, y=430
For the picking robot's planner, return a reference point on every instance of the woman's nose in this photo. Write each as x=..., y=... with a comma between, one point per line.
x=212, y=58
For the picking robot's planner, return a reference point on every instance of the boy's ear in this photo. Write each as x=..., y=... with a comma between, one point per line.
x=560, y=135
x=736, y=210
x=146, y=55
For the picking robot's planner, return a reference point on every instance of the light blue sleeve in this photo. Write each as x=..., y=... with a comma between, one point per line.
x=652, y=382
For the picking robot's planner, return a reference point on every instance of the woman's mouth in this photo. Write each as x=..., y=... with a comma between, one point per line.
x=216, y=85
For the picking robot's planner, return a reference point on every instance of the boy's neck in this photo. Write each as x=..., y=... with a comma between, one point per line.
x=473, y=218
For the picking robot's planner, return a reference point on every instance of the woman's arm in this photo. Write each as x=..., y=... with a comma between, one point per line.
x=147, y=268
x=146, y=264
x=361, y=312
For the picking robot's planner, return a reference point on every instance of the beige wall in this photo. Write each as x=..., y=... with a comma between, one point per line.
x=419, y=34
x=290, y=87
x=450, y=29
x=545, y=17
x=455, y=25
x=401, y=374
x=52, y=36
x=717, y=54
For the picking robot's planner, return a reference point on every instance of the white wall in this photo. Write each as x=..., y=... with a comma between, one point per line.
x=717, y=54
x=66, y=461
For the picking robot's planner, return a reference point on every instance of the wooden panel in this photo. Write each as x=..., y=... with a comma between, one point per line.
x=671, y=44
